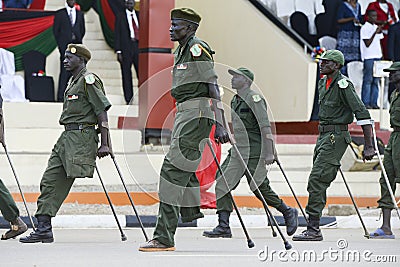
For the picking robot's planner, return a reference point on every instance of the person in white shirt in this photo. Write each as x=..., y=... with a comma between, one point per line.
x=126, y=45
x=371, y=51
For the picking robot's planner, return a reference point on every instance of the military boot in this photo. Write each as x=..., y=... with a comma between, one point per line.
x=17, y=227
x=43, y=232
x=291, y=218
x=313, y=233
x=222, y=229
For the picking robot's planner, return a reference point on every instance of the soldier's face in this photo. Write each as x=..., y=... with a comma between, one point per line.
x=394, y=77
x=71, y=61
x=239, y=81
x=327, y=67
x=178, y=30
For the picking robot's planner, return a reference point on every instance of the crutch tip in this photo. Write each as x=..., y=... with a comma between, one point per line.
x=288, y=245
x=123, y=237
x=250, y=243
x=274, y=234
x=367, y=236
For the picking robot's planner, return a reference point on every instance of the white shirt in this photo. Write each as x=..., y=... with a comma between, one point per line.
x=129, y=17
x=71, y=11
x=374, y=50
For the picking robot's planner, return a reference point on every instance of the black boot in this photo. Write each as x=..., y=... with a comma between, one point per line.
x=291, y=218
x=313, y=233
x=222, y=229
x=43, y=232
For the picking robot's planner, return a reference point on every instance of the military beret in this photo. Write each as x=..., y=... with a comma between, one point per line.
x=185, y=14
x=333, y=55
x=79, y=50
x=394, y=67
x=243, y=71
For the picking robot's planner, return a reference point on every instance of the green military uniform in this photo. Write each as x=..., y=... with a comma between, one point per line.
x=391, y=160
x=74, y=154
x=7, y=204
x=249, y=115
x=337, y=103
x=179, y=187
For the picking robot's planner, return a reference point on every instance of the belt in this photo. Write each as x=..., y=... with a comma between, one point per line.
x=76, y=126
x=396, y=129
x=331, y=128
x=193, y=104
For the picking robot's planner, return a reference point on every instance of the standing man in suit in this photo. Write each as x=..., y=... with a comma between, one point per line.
x=69, y=27
x=126, y=45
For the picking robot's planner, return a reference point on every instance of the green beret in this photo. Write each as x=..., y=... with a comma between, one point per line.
x=333, y=55
x=185, y=14
x=394, y=67
x=243, y=71
x=79, y=50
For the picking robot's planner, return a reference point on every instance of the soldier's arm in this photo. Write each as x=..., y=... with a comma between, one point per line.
x=221, y=134
x=105, y=143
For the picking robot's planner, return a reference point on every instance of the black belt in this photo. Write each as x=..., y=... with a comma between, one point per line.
x=76, y=126
x=331, y=128
x=396, y=129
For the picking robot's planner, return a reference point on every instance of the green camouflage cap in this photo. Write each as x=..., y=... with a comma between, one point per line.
x=187, y=14
x=333, y=55
x=242, y=71
x=394, y=67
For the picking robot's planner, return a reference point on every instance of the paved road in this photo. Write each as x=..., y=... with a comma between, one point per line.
x=103, y=247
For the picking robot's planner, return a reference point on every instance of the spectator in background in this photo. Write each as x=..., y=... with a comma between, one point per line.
x=331, y=9
x=371, y=51
x=385, y=17
x=348, y=38
x=127, y=46
x=69, y=27
x=393, y=48
x=17, y=3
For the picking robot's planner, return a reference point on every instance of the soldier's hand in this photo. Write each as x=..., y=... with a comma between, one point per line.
x=269, y=159
x=368, y=153
x=221, y=135
x=103, y=151
x=2, y=130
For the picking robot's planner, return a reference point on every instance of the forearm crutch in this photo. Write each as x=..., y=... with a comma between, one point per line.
x=366, y=234
x=291, y=189
x=382, y=166
x=267, y=210
x=250, y=243
x=19, y=187
x=123, y=236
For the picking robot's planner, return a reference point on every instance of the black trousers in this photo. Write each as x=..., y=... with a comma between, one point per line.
x=129, y=57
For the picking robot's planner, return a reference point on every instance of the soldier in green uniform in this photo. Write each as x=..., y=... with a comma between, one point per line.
x=391, y=160
x=8, y=208
x=255, y=142
x=338, y=102
x=74, y=154
x=194, y=83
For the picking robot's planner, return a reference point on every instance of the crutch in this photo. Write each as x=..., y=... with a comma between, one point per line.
x=250, y=243
x=123, y=236
x=267, y=210
x=291, y=189
x=126, y=189
x=19, y=187
x=381, y=163
x=366, y=234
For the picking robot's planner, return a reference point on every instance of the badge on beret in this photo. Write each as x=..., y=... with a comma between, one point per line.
x=196, y=50
x=343, y=83
x=90, y=79
x=73, y=50
x=256, y=98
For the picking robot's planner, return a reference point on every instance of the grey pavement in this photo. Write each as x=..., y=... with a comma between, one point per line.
x=103, y=247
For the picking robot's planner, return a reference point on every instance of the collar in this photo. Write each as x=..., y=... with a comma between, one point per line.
x=244, y=93
x=130, y=13
x=74, y=79
x=69, y=9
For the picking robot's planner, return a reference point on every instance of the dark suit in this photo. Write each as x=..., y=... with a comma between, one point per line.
x=393, y=49
x=130, y=52
x=64, y=33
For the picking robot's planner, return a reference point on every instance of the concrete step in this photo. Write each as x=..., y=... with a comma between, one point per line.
x=110, y=64
x=116, y=99
x=93, y=35
x=114, y=90
x=94, y=45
